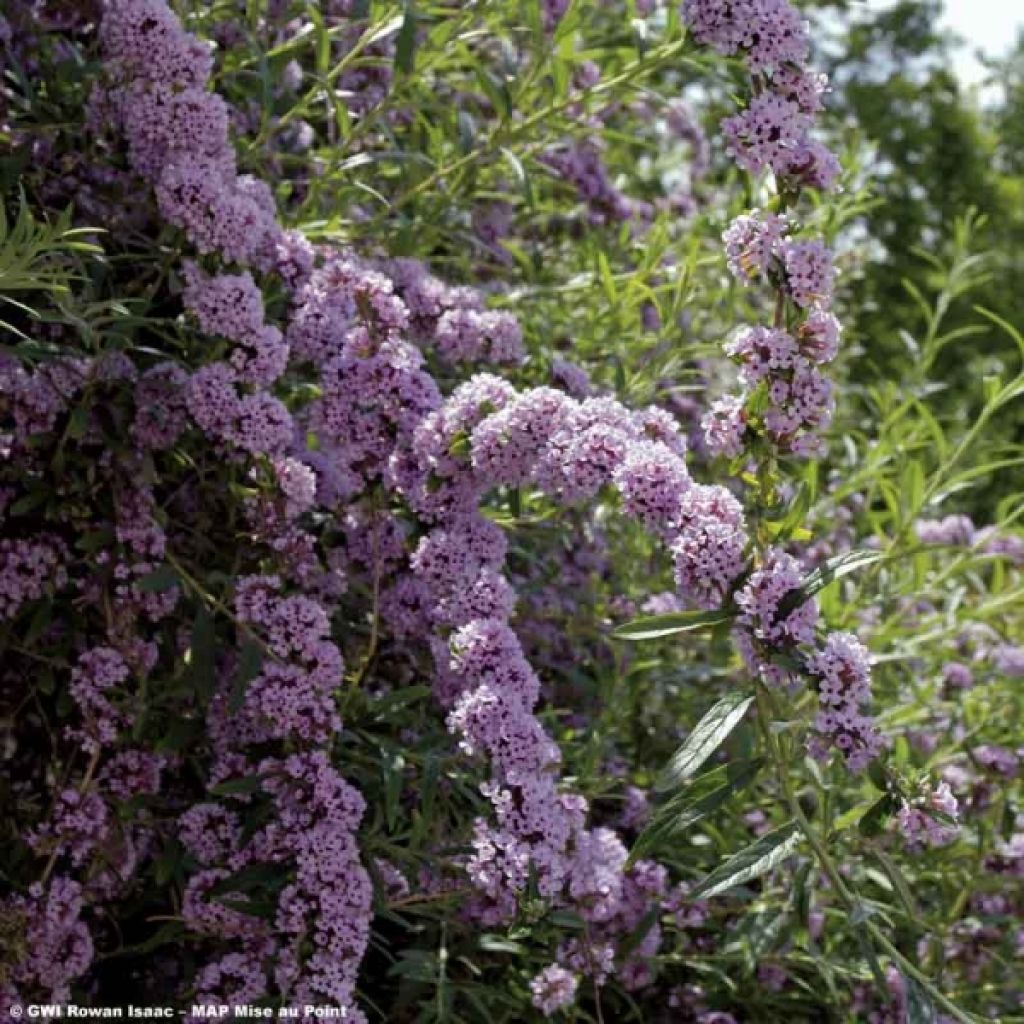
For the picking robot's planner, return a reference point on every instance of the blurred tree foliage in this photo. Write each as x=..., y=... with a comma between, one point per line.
x=936, y=150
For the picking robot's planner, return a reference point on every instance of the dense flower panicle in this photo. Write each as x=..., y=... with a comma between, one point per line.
x=238, y=978
x=506, y=445
x=29, y=569
x=96, y=673
x=58, y=947
x=178, y=132
x=764, y=135
x=764, y=626
x=708, y=551
x=760, y=601
x=293, y=696
x=36, y=399
x=921, y=828
x=471, y=335
x=842, y=668
x=133, y=773
x=769, y=32
x=78, y=824
x=553, y=989
x=809, y=272
x=753, y=242
x=147, y=36
x=724, y=426
x=230, y=305
x=653, y=481
x=773, y=132
x=178, y=140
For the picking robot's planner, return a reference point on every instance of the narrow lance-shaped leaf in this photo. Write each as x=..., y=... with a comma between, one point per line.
x=838, y=567
x=653, y=627
x=702, y=797
x=756, y=860
x=920, y=1009
x=160, y=579
x=705, y=739
x=819, y=578
x=405, y=43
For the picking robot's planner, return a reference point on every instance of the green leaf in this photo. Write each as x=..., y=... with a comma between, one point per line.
x=498, y=944
x=238, y=787
x=567, y=919
x=250, y=662
x=171, y=932
x=405, y=43
x=255, y=877
x=78, y=422
x=705, y=739
x=873, y=820
x=202, y=651
x=653, y=627
x=920, y=1009
x=899, y=883
x=703, y=796
x=393, y=772
x=604, y=272
x=794, y=517
x=838, y=567
x=819, y=578
x=758, y=859
x=162, y=578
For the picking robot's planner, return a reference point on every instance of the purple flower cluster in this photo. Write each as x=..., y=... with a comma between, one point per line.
x=774, y=130
x=177, y=132
x=842, y=671
x=58, y=946
x=919, y=825
x=177, y=136
x=483, y=436
x=293, y=693
x=785, y=393
x=786, y=397
x=553, y=989
x=29, y=569
x=763, y=626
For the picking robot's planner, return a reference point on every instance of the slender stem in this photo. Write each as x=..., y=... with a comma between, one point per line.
x=207, y=598
x=90, y=770
x=846, y=897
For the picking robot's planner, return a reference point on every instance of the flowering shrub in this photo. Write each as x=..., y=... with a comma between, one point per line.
x=405, y=608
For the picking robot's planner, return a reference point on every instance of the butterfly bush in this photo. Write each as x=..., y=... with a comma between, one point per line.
x=350, y=419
